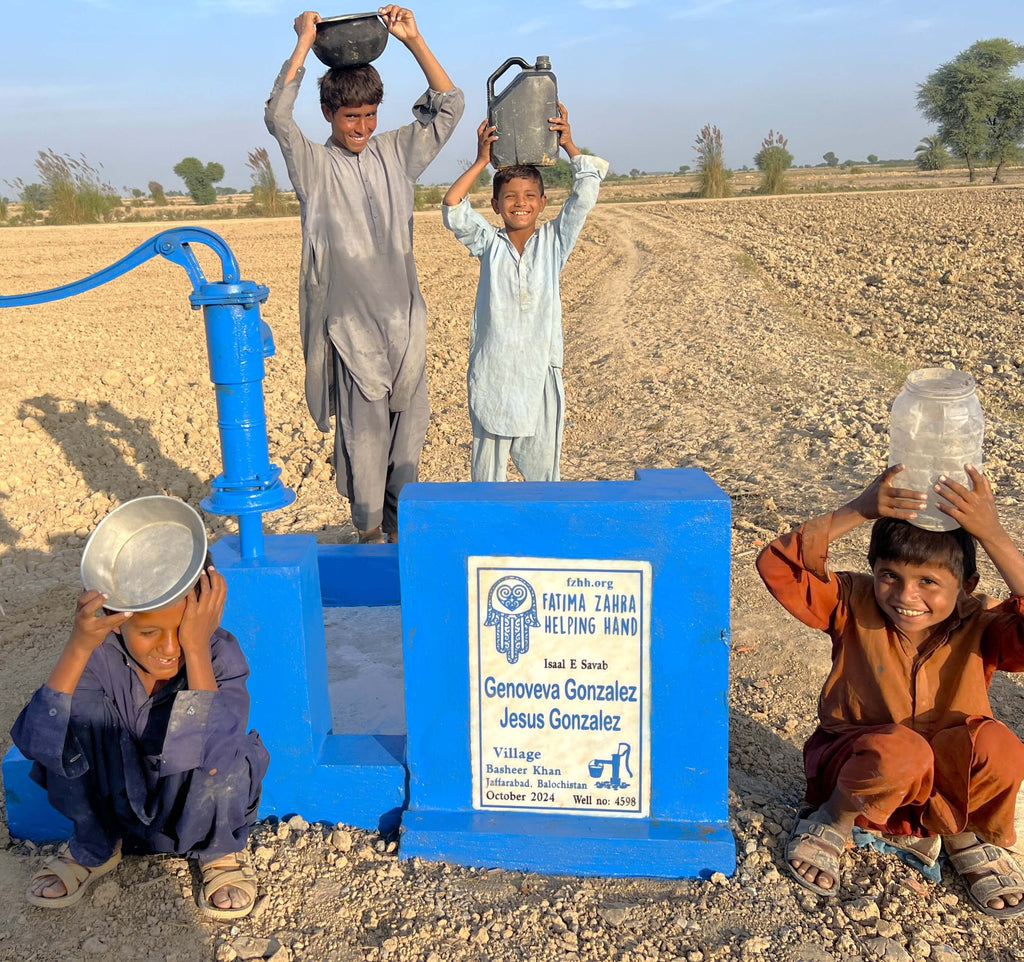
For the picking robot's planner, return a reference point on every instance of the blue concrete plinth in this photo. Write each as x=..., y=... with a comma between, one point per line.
x=671, y=525
x=275, y=608
x=29, y=814
x=567, y=845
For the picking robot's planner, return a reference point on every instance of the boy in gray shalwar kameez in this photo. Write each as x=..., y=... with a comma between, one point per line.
x=363, y=318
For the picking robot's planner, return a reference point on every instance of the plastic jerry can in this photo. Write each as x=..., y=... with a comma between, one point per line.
x=936, y=427
x=522, y=113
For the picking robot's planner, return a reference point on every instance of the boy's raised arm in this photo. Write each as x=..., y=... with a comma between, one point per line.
x=401, y=24
x=305, y=29
x=91, y=626
x=975, y=511
x=485, y=136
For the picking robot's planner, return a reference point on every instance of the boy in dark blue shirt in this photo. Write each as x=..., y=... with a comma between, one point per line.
x=139, y=737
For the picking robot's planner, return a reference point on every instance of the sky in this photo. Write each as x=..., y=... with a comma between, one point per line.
x=137, y=86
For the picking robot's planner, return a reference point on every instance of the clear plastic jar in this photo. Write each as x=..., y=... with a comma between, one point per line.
x=936, y=426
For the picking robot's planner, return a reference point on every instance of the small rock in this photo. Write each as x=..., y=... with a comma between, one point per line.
x=887, y=949
x=94, y=945
x=298, y=824
x=888, y=928
x=944, y=953
x=616, y=914
x=31, y=424
x=247, y=947
x=341, y=840
x=112, y=378
x=919, y=949
x=861, y=910
x=225, y=953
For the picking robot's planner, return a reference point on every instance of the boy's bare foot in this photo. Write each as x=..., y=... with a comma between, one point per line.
x=392, y=537
x=995, y=882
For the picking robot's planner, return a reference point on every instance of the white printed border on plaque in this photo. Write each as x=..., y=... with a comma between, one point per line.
x=559, y=685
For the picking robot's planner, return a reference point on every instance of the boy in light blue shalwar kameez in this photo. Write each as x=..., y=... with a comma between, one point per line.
x=516, y=400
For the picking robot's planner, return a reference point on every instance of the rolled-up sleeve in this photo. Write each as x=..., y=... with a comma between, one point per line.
x=587, y=173
x=468, y=226
x=436, y=116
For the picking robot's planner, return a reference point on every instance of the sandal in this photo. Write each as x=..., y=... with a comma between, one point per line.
x=76, y=878
x=235, y=870
x=818, y=844
x=1002, y=876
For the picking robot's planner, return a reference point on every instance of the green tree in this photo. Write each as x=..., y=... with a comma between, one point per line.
x=265, y=195
x=3, y=208
x=199, y=178
x=931, y=154
x=773, y=160
x=156, y=192
x=1006, y=126
x=683, y=169
x=830, y=158
x=872, y=158
x=712, y=176
x=975, y=101
x=34, y=194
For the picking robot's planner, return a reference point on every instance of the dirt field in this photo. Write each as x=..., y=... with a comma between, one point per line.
x=761, y=340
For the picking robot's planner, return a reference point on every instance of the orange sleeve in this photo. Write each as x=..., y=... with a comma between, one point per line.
x=794, y=569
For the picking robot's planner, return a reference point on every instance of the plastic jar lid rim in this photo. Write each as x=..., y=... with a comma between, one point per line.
x=941, y=382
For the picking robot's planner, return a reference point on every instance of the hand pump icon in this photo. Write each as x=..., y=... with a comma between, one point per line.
x=619, y=760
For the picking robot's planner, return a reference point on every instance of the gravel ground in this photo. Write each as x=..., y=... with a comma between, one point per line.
x=761, y=340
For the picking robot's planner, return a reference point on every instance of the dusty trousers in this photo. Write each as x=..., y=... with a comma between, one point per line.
x=376, y=450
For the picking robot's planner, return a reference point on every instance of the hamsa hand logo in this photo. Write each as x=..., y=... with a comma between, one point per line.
x=512, y=610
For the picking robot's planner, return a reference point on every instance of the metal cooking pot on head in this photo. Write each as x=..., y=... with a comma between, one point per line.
x=352, y=40
x=146, y=554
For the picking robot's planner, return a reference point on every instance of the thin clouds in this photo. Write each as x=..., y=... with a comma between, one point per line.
x=610, y=4
x=701, y=11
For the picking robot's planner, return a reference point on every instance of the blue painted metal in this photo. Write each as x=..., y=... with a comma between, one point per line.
x=679, y=521
x=237, y=341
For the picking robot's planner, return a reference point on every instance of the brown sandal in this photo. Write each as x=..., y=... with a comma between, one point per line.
x=76, y=878
x=235, y=870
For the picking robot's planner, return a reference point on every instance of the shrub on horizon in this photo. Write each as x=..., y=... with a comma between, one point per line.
x=712, y=176
x=74, y=191
x=773, y=160
x=266, y=197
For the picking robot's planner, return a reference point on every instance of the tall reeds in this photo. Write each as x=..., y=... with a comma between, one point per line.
x=712, y=176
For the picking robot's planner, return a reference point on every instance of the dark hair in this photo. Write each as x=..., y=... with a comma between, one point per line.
x=207, y=563
x=896, y=540
x=350, y=87
x=504, y=174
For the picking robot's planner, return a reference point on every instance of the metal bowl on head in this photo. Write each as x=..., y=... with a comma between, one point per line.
x=145, y=554
x=352, y=40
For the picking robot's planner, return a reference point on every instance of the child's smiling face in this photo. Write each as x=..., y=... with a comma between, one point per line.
x=151, y=638
x=915, y=598
x=519, y=203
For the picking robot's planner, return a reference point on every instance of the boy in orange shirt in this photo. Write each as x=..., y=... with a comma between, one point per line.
x=906, y=744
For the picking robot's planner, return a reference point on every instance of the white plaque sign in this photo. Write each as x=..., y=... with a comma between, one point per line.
x=559, y=683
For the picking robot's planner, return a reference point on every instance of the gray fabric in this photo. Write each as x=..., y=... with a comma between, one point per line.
x=517, y=319
x=536, y=455
x=358, y=289
x=376, y=450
